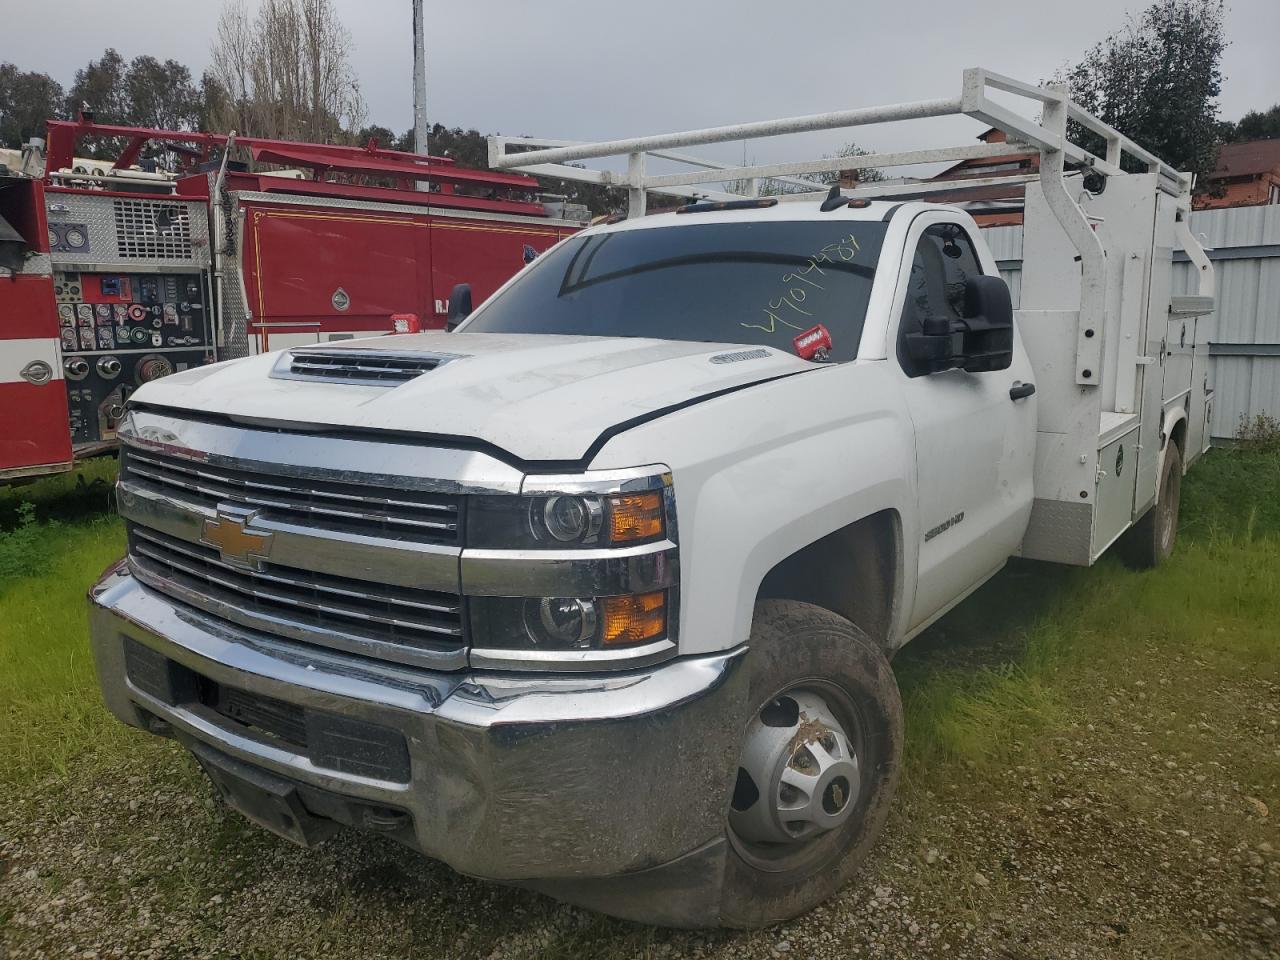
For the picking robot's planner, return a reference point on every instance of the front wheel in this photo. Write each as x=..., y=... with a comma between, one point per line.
x=818, y=767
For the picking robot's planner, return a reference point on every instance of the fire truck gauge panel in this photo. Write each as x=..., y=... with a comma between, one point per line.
x=121, y=329
x=143, y=232
x=153, y=367
x=66, y=287
x=69, y=237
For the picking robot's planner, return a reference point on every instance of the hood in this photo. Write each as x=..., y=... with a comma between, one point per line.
x=537, y=396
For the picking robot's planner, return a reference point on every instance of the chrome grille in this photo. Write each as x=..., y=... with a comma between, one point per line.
x=394, y=623
x=362, y=366
x=333, y=505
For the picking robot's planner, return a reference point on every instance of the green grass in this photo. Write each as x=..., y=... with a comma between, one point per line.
x=976, y=684
x=1217, y=600
x=56, y=536
x=1095, y=741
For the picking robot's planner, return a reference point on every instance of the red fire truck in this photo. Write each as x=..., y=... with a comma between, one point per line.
x=111, y=275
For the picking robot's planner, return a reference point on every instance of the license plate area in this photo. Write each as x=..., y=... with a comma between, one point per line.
x=269, y=801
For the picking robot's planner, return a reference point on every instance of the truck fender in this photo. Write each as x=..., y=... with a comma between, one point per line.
x=1168, y=431
x=755, y=483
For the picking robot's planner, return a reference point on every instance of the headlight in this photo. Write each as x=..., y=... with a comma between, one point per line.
x=569, y=623
x=575, y=571
x=572, y=518
x=560, y=621
x=566, y=519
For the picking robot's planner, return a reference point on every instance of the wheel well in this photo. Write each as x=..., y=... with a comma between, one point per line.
x=1179, y=437
x=853, y=571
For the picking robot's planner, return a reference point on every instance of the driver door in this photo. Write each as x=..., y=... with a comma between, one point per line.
x=975, y=439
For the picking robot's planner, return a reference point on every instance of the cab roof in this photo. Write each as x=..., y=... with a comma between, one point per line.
x=785, y=210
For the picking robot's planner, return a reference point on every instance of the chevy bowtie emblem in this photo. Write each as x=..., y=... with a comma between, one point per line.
x=238, y=545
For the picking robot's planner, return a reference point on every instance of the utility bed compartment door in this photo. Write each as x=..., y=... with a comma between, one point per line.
x=1117, y=470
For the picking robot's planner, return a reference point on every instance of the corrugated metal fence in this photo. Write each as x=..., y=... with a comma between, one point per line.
x=1245, y=346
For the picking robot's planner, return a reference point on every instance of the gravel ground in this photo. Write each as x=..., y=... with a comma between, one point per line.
x=1137, y=827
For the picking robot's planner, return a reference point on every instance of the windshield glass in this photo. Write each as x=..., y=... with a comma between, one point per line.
x=754, y=282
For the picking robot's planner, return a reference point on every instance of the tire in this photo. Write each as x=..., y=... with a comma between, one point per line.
x=1152, y=538
x=807, y=655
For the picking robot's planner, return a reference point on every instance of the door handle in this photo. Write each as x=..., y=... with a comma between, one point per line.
x=1021, y=390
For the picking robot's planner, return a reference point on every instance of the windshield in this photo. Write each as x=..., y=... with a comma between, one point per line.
x=754, y=282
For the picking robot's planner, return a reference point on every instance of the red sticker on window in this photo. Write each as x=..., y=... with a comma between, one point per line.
x=814, y=343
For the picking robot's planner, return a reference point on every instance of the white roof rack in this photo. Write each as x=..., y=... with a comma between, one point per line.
x=559, y=158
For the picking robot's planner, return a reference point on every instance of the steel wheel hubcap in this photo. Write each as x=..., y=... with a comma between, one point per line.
x=799, y=775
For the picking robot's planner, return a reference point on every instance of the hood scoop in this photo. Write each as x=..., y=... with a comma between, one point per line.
x=369, y=367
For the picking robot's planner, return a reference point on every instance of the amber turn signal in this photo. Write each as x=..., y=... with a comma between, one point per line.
x=635, y=516
x=634, y=619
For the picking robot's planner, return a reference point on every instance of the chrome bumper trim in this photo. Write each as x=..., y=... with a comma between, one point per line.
x=570, y=573
x=655, y=476
x=512, y=778
x=572, y=660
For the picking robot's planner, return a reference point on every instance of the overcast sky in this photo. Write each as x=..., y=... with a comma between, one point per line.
x=596, y=70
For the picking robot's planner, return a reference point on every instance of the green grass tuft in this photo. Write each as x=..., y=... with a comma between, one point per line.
x=55, y=538
x=1217, y=599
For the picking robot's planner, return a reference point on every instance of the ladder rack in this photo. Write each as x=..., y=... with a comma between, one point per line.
x=560, y=158
x=1061, y=163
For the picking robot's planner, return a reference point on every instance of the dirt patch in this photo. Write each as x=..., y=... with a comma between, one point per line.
x=1118, y=835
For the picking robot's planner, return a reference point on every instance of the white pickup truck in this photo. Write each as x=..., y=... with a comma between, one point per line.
x=598, y=593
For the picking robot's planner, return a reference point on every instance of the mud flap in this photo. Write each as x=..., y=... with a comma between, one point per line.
x=269, y=801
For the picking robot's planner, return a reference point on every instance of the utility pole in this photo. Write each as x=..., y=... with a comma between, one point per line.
x=419, y=87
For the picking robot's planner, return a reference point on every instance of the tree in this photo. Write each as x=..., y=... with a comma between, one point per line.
x=161, y=95
x=100, y=88
x=1254, y=125
x=286, y=72
x=862, y=175
x=384, y=136
x=1157, y=81
x=27, y=100
x=215, y=102
x=466, y=148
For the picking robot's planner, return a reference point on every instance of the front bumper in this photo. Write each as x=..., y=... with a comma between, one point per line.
x=512, y=778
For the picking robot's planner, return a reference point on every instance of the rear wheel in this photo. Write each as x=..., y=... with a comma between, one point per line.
x=1152, y=538
x=818, y=767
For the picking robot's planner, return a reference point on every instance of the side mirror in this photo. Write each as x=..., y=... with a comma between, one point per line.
x=459, y=305
x=980, y=342
x=988, y=312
